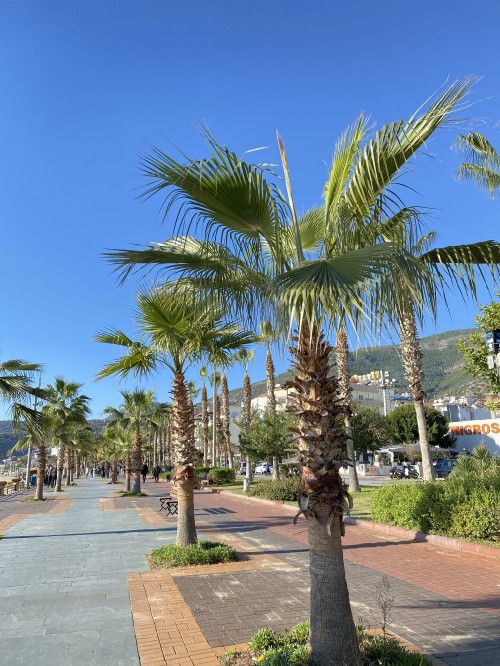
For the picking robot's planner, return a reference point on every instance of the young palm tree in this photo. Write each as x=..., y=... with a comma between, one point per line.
x=253, y=254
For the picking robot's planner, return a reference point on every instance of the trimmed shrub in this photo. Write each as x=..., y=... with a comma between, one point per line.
x=459, y=507
x=479, y=517
x=165, y=475
x=222, y=475
x=201, y=552
x=201, y=470
x=284, y=490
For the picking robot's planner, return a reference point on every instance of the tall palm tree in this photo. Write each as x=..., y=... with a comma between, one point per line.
x=176, y=331
x=267, y=335
x=204, y=414
x=68, y=409
x=252, y=255
x=245, y=357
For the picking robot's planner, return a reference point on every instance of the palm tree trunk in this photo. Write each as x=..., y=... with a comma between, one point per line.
x=78, y=466
x=226, y=419
x=323, y=497
x=183, y=445
x=137, y=460
x=334, y=640
x=214, y=420
x=204, y=423
x=115, y=471
x=41, y=469
x=271, y=402
x=217, y=425
x=344, y=376
x=412, y=362
x=128, y=464
x=68, y=467
x=59, y=466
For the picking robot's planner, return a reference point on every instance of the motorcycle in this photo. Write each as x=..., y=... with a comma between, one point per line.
x=405, y=472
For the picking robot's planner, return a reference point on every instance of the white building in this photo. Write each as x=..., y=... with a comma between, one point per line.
x=367, y=395
x=472, y=433
x=461, y=409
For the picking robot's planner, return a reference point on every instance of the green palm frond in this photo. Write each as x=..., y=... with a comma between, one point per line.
x=462, y=265
x=482, y=176
x=139, y=360
x=221, y=193
x=391, y=148
x=345, y=154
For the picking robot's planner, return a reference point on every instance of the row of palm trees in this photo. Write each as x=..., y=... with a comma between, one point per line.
x=362, y=260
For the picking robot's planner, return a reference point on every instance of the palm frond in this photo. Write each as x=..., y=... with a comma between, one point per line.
x=464, y=264
x=393, y=145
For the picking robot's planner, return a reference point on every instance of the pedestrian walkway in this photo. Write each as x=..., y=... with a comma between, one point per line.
x=75, y=587
x=63, y=591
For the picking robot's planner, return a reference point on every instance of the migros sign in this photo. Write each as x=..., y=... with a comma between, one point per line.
x=490, y=428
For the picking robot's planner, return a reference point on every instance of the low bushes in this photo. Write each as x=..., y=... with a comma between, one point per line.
x=456, y=508
x=222, y=475
x=201, y=552
x=285, y=490
x=269, y=648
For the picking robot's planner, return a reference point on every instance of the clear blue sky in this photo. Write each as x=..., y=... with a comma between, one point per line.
x=87, y=86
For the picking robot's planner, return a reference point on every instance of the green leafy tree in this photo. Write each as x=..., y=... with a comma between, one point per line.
x=404, y=428
x=267, y=436
x=473, y=349
x=370, y=430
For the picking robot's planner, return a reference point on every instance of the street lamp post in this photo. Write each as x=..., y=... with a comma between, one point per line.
x=385, y=383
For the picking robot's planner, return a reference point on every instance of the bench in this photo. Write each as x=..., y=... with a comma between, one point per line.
x=169, y=505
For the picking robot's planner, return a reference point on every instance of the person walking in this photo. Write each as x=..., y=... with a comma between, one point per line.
x=156, y=473
x=144, y=472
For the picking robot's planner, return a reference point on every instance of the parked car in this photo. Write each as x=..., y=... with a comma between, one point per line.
x=443, y=468
x=263, y=468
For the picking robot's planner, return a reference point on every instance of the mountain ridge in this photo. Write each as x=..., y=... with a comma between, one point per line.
x=441, y=362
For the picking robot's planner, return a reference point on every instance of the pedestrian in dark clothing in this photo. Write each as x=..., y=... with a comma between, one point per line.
x=156, y=473
x=144, y=472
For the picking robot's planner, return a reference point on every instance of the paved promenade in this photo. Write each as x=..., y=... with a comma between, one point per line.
x=75, y=587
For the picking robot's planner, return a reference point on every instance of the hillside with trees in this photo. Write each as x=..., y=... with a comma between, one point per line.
x=442, y=363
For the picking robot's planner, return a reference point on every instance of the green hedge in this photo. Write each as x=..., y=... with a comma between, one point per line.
x=285, y=490
x=452, y=508
x=222, y=475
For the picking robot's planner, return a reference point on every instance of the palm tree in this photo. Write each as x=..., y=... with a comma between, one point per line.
x=137, y=409
x=67, y=409
x=245, y=357
x=204, y=414
x=482, y=165
x=267, y=335
x=176, y=332
x=252, y=255
x=16, y=389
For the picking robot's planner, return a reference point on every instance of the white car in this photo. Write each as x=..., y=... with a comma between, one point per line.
x=260, y=468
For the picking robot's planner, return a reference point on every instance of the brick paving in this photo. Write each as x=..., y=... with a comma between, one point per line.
x=446, y=602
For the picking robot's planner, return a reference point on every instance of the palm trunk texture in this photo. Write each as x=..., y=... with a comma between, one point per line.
x=59, y=465
x=412, y=362
x=344, y=376
x=271, y=403
x=226, y=420
x=41, y=469
x=128, y=464
x=323, y=499
x=204, y=423
x=137, y=460
x=183, y=441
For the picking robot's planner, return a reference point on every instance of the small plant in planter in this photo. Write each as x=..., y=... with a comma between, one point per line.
x=201, y=552
x=128, y=493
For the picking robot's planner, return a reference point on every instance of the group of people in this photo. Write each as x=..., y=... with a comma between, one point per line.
x=156, y=472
